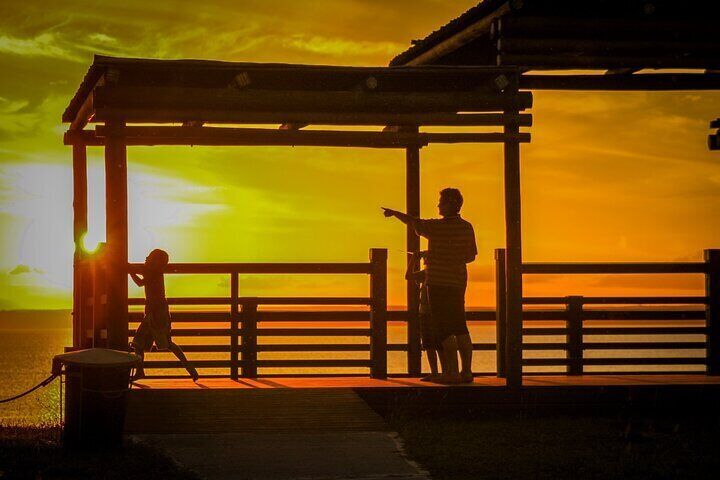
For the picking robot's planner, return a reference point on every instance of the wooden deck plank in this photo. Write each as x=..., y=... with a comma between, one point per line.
x=365, y=382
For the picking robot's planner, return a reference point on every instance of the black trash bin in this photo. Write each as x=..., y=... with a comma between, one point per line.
x=96, y=384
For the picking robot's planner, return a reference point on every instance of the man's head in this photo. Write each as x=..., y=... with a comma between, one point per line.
x=451, y=201
x=157, y=259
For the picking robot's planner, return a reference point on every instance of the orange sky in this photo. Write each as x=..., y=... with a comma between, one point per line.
x=608, y=176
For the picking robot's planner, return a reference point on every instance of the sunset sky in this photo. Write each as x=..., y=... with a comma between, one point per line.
x=608, y=176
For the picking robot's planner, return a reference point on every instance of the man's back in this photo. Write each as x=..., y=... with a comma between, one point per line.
x=451, y=244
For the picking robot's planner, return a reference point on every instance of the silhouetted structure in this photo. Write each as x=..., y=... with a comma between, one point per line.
x=477, y=64
x=620, y=36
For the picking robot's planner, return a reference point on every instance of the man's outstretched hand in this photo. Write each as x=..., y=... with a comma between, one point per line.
x=388, y=212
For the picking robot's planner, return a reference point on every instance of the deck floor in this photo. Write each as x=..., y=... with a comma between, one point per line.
x=363, y=382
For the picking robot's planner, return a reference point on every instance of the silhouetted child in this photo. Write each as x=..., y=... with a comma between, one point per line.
x=429, y=333
x=155, y=326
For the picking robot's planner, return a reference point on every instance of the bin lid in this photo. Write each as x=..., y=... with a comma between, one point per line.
x=98, y=357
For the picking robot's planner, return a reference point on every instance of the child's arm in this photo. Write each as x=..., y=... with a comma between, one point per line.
x=139, y=281
x=413, y=265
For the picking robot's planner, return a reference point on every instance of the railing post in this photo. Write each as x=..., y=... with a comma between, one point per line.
x=234, y=322
x=249, y=338
x=500, y=310
x=574, y=310
x=378, y=313
x=712, y=310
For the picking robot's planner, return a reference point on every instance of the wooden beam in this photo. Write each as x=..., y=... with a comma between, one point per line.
x=173, y=115
x=258, y=136
x=513, y=261
x=553, y=62
x=304, y=100
x=606, y=47
x=412, y=242
x=470, y=33
x=82, y=138
x=80, y=222
x=116, y=208
x=554, y=27
x=636, y=82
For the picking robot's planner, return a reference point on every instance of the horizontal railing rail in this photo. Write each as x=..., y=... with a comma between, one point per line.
x=583, y=319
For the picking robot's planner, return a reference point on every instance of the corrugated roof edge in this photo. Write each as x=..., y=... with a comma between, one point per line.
x=456, y=25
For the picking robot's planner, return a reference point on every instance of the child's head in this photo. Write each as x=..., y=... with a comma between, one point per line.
x=157, y=259
x=450, y=203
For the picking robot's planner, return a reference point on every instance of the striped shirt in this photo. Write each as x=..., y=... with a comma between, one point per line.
x=451, y=244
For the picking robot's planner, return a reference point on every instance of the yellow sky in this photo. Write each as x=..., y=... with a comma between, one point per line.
x=608, y=176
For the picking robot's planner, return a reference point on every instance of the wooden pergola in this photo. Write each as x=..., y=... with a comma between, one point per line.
x=167, y=102
x=634, y=43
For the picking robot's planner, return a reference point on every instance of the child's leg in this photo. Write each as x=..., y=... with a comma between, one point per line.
x=450, y=352
x=183, y=359
x=432, y=360
x=139, y=370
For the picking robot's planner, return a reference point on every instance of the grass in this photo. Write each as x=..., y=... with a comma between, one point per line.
x=35, y=452
x=558, y=447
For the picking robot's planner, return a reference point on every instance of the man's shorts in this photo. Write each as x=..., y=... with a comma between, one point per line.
x=153, y=328
x=429, y=332
x=447, y=307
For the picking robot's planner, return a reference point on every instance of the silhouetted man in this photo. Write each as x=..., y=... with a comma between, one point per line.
x=451, y=245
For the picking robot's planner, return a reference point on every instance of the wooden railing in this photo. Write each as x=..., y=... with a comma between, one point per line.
x=245, y=319
x=581, y=321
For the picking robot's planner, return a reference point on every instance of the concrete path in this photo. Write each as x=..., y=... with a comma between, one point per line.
x=270, y=434
x=351, y=455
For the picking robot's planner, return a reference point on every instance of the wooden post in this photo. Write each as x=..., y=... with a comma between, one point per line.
x=79, y=156
x=249, y=338
x=500, y=310
x=116, y=207
x=378, y=313
x=574, y=311
x=234, y=322
x=712, y=310
x=513, y=261
x=412, y=201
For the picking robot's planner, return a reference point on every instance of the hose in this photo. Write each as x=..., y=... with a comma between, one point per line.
x=39, y=385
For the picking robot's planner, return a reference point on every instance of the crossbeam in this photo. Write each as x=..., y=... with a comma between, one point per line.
x=214, y=136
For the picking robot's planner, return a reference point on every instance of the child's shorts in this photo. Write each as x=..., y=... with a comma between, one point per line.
x=153, y=328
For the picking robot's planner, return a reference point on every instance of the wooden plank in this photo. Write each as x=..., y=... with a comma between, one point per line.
x=314, y=363
x=195, y=363
x=262, y=268
x=513, y=255
x=544, y=331
x=313, y=332
x=631, y=315
x=220, y=136
x=412, y=245
x=250, y=334
x=195, y=332
x=186, y=301
x=303, y=100
x=605, y=47
x=560, y=61
x=644, y=345
x=79, y=159
x=644, y=330
x=314, y=347
x=175, y=115
x=500, y=310
x=309, y=316
x=646, y=361
x=378, y=313
x=234, y=326
x=712, y=310
x=116, y=214
x=199, y=317
x=575, y=27
x=618, y=268
x=575, y=316
x=311, y=300
x=687, y=300
x=636, y=82
x=467, y=35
